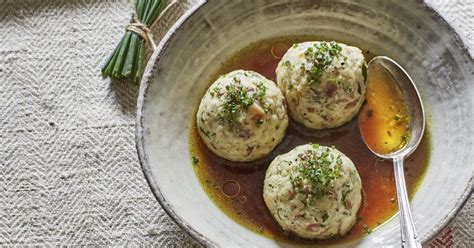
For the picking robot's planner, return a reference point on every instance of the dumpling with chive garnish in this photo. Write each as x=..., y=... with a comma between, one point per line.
x=242, y=116
x=323, y=82
x=313, y=191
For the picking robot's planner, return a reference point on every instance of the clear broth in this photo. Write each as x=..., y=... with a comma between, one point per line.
x=238, y=191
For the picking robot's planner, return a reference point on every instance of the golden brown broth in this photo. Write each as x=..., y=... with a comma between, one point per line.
x=384, y=119
x=218, y=176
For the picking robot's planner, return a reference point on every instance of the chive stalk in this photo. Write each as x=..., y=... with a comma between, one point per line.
x=126, y=61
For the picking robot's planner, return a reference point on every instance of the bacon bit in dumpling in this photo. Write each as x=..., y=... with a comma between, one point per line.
x=291, y=194
x=330, y=90
x=313, y=227
x=244, y=133
x=351, y=104
x=255, y=112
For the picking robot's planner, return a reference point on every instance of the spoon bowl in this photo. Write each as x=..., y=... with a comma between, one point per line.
x=394, y=73
x=412, y=98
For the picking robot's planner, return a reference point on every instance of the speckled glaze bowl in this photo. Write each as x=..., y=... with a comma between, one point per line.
x=408, y=31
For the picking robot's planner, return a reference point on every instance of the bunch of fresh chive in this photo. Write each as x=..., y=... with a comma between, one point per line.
x=127, y=59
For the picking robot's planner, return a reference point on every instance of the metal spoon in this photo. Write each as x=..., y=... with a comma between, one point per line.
x=417, y=126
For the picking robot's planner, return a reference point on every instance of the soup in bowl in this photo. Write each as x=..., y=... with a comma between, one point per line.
x=219, y=201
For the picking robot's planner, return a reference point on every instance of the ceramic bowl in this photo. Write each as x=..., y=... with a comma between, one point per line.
x=208, y=34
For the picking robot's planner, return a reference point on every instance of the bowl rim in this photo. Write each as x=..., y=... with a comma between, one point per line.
x=140, y=130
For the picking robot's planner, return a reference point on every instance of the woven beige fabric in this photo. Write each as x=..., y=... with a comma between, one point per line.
x=69, y=173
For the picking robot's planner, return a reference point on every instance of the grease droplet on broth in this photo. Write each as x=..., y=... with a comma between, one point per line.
x=231, y=188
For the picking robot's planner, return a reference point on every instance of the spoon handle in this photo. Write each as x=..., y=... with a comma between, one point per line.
x=407, y=227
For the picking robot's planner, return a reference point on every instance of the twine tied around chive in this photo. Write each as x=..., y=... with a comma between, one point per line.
x=126, y=61
x=142, y=30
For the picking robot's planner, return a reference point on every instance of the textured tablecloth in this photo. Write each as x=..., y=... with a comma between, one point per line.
x=69, y=173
